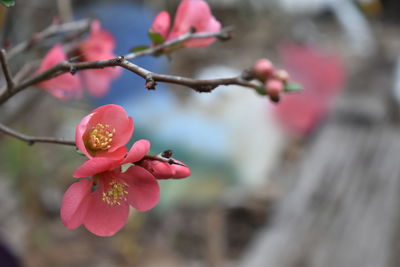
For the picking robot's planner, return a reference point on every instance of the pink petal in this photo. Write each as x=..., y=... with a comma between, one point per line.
x=99, y=45
x=118, y=154
x=95, y=166
x=74, y=203
x=138, y=150
x=161, y=24
x=103, y=219
x=160, y=170
x=197, y=14
x=98, y=81
x=143, y=189
x=65, y=86
x=80, y=132
x=116, y=117
x=181, y=171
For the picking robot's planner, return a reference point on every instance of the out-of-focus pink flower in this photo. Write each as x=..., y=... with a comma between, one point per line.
x=65, y=86
x=104, y=132
x=101, y=203
x=322, y=76
x=98, y=46
x=190, y=14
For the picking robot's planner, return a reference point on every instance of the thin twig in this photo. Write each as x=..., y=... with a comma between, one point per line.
x=6, y=71
x=223, y=34
x=31, y=140
x=75, y=26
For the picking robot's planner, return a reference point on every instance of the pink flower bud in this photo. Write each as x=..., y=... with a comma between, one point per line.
x=282, y=75
x=263, y=68
x=274, y=87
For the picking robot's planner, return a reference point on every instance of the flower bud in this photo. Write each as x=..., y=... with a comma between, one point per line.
x=274, y=87
x=282, y=75
x=263, y=69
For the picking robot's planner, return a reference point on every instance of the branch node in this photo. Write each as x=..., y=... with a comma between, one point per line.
x=119, y=59
x=30, y=142
x=225, y=36
x=150, y=82
x=205, y=88
x=247, y=75
x=72, y=70
x=6, y=70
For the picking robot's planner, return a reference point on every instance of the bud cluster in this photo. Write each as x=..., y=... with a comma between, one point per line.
x=274, y=80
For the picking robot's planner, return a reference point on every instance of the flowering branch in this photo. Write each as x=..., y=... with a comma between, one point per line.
x=223, y=35
x=31, y=140
x=6, y=70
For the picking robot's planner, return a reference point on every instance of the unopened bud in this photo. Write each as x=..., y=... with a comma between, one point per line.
x=274, y=87
x=263, y=69
x=282, y=75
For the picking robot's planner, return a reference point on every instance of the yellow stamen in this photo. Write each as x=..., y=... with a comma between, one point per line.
x=100, y=137
x=116, y=193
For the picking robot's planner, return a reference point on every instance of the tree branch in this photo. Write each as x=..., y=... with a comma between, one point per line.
x=75, y=26
x=223, y=35
x=6, y=71
x=31, y=140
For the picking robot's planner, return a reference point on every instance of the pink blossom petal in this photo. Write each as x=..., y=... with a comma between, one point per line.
x=98, y=81
x=118, y=154
x=197, y=14
x=99, y=45
x=95, y=166
x=79, y=134
x=161, y=24
x=181, y=171
x=160, y=170
x=103, y=219
x=65, y=86
x=74, y=203
x=143, y=189
x=116, y=117
x=138, y=150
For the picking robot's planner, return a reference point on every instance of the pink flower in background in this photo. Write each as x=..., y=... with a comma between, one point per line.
x=104, y=132
x=322, y=76
x=190, y=14
x=102, y=203
x=65, y=86
x=98, y=46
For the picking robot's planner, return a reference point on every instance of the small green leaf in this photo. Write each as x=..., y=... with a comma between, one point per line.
x=156, y=38
x=138, y=48
x=291, y=87
x=261, y=91
x=8, y=3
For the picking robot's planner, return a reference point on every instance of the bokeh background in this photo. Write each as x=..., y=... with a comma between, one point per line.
x=311, y=181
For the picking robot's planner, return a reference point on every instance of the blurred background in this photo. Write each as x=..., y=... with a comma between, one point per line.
x=311, y=181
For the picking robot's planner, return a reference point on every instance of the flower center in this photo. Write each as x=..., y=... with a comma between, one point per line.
x=100, y=137
x=115, y=193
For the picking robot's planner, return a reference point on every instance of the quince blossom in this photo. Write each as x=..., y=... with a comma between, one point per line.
x=104, y=132
x=65, y=86
x=101, y=203
x=98, y=46
x=190, y=14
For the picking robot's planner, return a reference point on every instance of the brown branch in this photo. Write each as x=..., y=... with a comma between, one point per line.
x=6, y=70
x=31, y=140
x=224, y=34
x=75, y=26
x=206, y=85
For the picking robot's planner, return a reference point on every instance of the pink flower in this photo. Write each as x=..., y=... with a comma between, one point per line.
x=190, y=14
x=98, y=46
x=102, y=203
x=322, y=75
x=104, y=132
x=65, y=86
